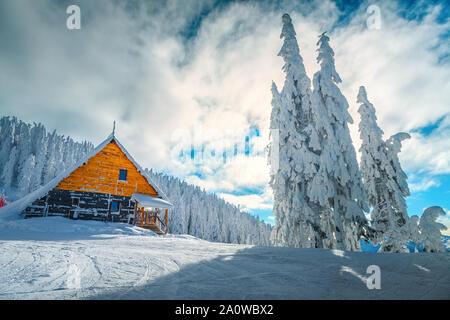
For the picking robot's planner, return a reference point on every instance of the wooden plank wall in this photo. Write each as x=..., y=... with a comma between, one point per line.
x=101, y=175
x=92, y=206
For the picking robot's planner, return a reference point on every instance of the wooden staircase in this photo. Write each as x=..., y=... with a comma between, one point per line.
x=150, y=220
x=155, y=228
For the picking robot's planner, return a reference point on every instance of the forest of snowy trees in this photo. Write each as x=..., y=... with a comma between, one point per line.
x=321, y=194
x=30, y=157
x=207, y=216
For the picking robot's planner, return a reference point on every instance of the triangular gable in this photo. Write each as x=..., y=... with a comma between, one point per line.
x=100, y=174
x=139, y=168
x=20, y=205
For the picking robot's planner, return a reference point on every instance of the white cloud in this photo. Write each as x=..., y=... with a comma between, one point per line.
x=251, y=201
x=430, y=154
x=237, y=173
x=248, y=172
x=246, y=202
x=418, y=184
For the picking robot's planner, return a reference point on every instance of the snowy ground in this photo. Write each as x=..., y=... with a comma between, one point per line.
x=42, y=258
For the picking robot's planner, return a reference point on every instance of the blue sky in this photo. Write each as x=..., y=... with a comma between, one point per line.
x=178, y=75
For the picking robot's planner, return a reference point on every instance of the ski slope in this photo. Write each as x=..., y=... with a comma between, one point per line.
x=57, y=258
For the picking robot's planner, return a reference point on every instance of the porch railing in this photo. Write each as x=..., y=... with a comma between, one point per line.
x=149, y=219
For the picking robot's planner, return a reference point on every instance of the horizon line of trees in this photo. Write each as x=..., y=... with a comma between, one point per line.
x=206, y=216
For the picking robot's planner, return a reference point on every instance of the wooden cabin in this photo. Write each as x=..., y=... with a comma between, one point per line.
x=109, y=186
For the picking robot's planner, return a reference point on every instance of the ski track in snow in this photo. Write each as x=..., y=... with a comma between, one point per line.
x=118, y=261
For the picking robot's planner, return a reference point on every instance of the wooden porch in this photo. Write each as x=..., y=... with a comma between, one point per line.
x=151, y=220
x=148, y=212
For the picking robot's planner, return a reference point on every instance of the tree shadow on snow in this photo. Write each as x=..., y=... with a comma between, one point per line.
x=290, y=273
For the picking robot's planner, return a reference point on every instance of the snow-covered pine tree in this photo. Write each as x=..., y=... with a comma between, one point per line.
x=6, y=141
x=9, y=170
x=25, y=173
x=296, y=222
x=394, y=146
x=337, y=183
x=39, y=149
x=431, y=230
x=384, y=181
x=25, y=161
x=413, y=231
x=61, y=150
x=50, y=167
x=8, y=151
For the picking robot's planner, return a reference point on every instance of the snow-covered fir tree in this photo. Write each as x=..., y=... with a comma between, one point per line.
x=25, y=170
x=413, y=231
x=430, y=230
x=9, y=169
x=39, y=150
x=296, y=221
x=25, y=160
x=6, y=141
x=384, y=181
x=50, y=166
x=337, y=184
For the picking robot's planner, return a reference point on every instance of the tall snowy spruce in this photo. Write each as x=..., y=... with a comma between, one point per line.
x=431, y=230
x=296, y=224
x=384, y=180
x=413, y=231
x=337, y=184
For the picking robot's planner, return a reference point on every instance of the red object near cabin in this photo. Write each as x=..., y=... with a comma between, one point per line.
x=3, y=201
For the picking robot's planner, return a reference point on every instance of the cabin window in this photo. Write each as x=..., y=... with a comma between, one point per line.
x=115, y=206
x=123, y=175
x=76, y=202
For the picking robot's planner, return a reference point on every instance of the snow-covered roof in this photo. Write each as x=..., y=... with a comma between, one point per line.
x=21, y=204
x=151, y=202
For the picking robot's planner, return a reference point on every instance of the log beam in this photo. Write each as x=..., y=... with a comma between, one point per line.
x=165, y=221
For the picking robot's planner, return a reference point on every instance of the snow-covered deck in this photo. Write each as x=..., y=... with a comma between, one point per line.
x=146, y=201
x=148, y=218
